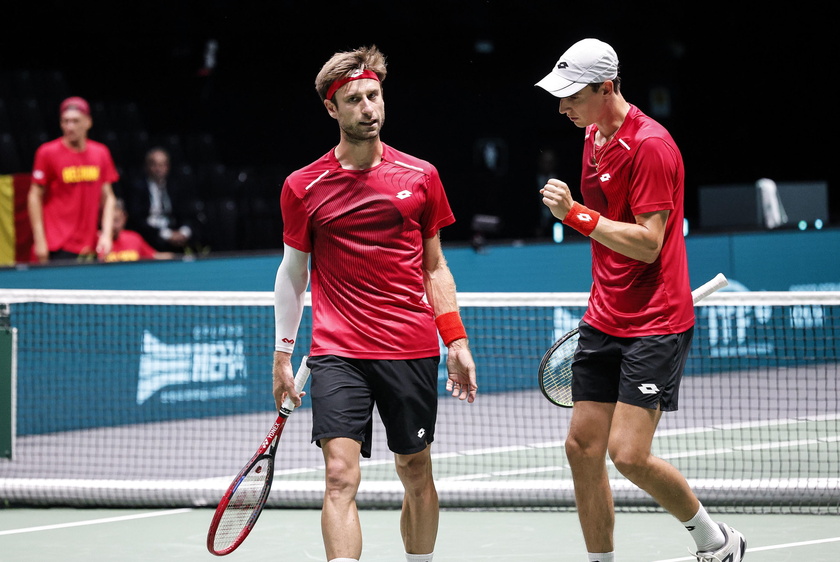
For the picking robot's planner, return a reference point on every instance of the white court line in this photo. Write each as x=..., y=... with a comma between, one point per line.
x=673, y=432
x=95, y=521
x=760, y=548
x=682, y=454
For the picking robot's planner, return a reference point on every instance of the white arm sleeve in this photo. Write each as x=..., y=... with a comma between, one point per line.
x=289, y=292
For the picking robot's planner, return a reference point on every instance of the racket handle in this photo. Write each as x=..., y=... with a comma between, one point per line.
x=300, y=381
x=718, y=282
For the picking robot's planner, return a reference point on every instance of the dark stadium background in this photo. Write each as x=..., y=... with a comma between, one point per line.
x=748, y=86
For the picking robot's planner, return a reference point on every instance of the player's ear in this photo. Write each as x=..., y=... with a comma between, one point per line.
x=332, y=109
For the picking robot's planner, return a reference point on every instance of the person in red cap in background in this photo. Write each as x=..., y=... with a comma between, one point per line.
x=71, y=190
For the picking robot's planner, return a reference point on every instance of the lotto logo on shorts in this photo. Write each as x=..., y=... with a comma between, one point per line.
x=404, y=194
x=421, y=433
x=648, y=388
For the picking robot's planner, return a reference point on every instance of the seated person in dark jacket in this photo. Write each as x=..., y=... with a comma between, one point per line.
x=160, y=209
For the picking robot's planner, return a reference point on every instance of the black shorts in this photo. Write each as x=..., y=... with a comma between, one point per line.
x=344, y=391
x=642, y=371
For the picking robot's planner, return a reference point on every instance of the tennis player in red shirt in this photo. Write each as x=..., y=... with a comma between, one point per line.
x=71, y=182
x=366, y=217
x=637, y=330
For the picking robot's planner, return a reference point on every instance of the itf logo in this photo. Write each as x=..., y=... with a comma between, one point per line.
x=212, y=366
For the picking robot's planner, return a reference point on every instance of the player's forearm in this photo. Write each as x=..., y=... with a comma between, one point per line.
x=289, y=295
x=632, y=240
x=441, y=293
x=108, y=204
x=640, y=241
x=288, y=311
x=442, y=296
x=440, y=289
x=35, y=209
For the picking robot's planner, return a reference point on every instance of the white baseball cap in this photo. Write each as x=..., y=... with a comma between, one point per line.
x=589, y=61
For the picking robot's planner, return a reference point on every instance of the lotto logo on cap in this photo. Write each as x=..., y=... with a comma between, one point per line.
x=75, y=102
x=588, y=61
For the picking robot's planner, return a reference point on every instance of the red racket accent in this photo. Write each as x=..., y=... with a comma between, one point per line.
x=245, y=498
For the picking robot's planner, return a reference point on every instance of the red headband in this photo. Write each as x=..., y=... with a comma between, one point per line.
x=357, y=75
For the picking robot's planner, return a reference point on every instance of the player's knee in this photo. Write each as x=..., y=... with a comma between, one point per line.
x=582, y=450
x=342, y=479
x=628, y=462
x=415, y=468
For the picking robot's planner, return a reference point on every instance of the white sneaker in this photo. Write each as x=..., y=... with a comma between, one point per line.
x=732, y=550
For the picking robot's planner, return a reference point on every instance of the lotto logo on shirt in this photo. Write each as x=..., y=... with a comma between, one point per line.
x=76, y=174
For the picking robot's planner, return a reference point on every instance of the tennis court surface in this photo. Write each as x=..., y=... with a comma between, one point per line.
x=97, y=535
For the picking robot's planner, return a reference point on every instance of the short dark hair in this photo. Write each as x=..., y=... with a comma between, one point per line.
x=616, y=82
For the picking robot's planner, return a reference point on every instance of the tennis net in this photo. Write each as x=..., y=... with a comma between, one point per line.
x=156, y=398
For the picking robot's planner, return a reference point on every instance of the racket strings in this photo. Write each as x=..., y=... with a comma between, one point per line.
x=245, y=504
x=557, y=373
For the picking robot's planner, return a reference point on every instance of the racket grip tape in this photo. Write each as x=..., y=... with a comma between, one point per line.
x=719, y=281
x=301, y=377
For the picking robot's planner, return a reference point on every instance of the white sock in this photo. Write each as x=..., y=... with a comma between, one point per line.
x=419, y=557
x=344, y=560
x=705, y=532
x=601, y=556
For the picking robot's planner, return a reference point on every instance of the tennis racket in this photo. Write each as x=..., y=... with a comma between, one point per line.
x=555, y=372
x=244, y=500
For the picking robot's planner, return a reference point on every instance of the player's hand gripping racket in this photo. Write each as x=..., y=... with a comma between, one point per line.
x=555, y=371
x=244, y=500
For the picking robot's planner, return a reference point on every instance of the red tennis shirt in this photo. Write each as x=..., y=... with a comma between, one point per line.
x=639, y=171
x=129, y=246
x=364, y=230
x=73, y=192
